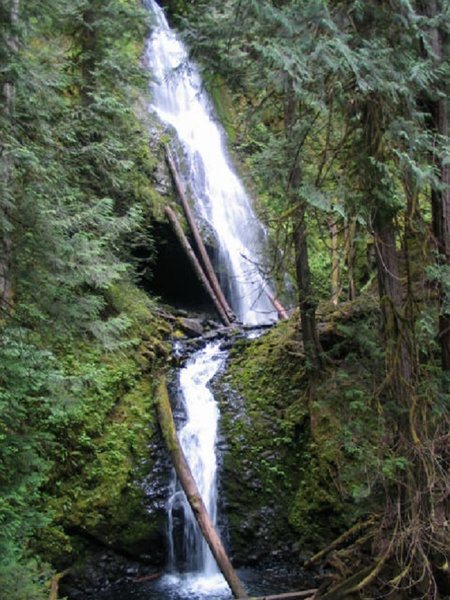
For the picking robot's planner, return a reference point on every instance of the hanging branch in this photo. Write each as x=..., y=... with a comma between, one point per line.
x=207, y=266
x=193, y=494
x=178, y=230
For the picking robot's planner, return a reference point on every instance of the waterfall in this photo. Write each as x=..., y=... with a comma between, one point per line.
x=225, y=210
x=220, y=200
x=198, y=439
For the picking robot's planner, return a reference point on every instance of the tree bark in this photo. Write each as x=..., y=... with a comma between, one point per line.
x=9, y=95
x=398, y=354
x=192, y=493
x=335, y=271
x=350, y=254
x=440, y=195
x=207, y=265
x=195, y=263
x=307, y=303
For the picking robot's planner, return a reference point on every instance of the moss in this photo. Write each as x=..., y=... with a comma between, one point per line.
x=223, y=104
x=263, y=425
x=103, y=432
x=308, y=445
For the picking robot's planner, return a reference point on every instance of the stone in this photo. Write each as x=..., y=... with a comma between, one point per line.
x=191, y=327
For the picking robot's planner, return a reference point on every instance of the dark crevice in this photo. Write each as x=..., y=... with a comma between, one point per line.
x=168, y=274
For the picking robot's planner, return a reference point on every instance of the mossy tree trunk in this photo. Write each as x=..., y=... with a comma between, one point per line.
x=307, y=302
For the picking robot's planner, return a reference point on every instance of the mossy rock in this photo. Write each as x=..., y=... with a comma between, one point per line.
x=263, y=420
x=108, y=443
x=296, y=450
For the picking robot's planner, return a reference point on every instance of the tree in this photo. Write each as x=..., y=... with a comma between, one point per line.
x=356, y=133
x=75, y=179
x=9, y=20
x=436, y=50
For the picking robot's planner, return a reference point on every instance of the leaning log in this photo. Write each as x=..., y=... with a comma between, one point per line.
x=209, y=270
x=282, y=312
x=191, y=490
x=178, y=230
x=54, y=584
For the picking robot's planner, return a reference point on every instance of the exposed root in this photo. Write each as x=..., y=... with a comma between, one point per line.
x=360, y=526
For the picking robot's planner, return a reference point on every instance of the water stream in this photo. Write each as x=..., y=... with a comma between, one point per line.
x=189, y=551
x=223, y=206
x=221, y=202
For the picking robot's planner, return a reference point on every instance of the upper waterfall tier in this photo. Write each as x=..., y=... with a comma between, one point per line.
x=220, y=199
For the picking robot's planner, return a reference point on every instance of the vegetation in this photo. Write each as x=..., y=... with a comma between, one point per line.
x=344, y=122
x=75, y=383
x=338, y=112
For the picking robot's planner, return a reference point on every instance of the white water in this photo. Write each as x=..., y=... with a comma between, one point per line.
x=222, y=204
x=198, y=440
x=220, y=199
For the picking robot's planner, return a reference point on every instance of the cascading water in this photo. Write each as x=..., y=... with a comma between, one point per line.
x=179, y=100
x=220, y=200
x=198, y=439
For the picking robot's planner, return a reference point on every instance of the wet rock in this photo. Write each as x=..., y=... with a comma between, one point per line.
x=191, y=327
x=99, y=570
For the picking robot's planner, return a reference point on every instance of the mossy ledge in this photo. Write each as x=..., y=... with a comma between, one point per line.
x=295, y=454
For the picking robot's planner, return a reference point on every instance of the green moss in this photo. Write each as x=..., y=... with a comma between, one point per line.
x=103, y=430
x=223, y=104
x=263, y=427
x=307, y=444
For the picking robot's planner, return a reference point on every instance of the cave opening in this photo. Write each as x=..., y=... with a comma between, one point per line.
x=165, y=272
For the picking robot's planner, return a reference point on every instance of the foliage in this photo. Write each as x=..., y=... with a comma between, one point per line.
x=343, y=128
x=76, y=195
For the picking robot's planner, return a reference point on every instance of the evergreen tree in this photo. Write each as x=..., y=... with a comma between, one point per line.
x=358, y=139
x=75, y=172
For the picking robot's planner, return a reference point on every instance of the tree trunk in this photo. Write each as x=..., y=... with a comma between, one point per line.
x=307, y=303
x=192, y=493
x=350, y=254
x=207, y=266
x=440, y=195
x=335, y=271
x=398, y=354
x=195, y=263
x=9, y=96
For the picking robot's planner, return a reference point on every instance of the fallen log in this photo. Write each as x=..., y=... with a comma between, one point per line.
x=178, y=230
x=360, y=526
x=206, y=261
x=192, y=492
x=151, y=577
x=304, y=594
x=282, y=312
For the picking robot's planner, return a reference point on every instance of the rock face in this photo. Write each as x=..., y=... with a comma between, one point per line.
x=103, y=569
x=252, y=493
x=259, y=452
